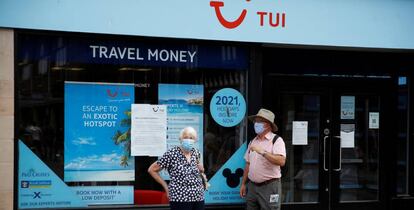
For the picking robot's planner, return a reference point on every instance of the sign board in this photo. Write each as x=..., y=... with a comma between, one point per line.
x=347, y=107
x=351, y=23
x=184, y=104
x=373, y=120
x=97, y=123
x=39, y=187
x=148, y=130
x=347, y=135
x=300, y=133
x=100, y=195
x=228, y=107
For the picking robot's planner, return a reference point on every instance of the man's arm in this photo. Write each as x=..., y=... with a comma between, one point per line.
x=274, y=158
x=244, y=180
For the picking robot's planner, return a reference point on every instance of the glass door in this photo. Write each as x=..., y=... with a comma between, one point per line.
x=333, y=129
x=357, y=142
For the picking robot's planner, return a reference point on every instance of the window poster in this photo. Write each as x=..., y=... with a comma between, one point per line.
x=39, y=187
x=101, y=195
x=374, y=120
x=300, y=132
x=228, y=107
x=347, y=107
x=97, y=132
x=347, y=135
x=149, y=130
x=226, y=182
x=184, y=108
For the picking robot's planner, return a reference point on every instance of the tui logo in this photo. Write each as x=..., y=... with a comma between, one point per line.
x=266, y=18
x=110, y=94
x=228, y=24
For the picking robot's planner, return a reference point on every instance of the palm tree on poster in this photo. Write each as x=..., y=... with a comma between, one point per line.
x=124, y=138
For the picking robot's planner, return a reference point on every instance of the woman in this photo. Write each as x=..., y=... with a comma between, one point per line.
x=186, y=190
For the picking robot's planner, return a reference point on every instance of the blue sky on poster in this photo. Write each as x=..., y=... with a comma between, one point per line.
x=92, y=147
x=180, y=91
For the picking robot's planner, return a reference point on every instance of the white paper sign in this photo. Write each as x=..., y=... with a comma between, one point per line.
x=300, y=132
x=347, y=107
x=373, y=120
x=347, y=135
x=148, y=130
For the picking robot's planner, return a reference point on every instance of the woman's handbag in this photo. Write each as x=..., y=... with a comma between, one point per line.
x=203, y=177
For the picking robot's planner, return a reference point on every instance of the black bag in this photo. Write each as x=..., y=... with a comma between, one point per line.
x=203, y=176
x=206, y=185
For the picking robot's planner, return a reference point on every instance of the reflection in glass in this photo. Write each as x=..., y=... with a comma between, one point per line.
x=359, y=174
x=301, y=172
x=402, y=141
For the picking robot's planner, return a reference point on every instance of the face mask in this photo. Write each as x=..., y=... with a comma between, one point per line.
x=258, y=127
x=187, y=144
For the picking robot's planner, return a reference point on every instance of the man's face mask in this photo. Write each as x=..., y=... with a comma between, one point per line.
x=259, y=127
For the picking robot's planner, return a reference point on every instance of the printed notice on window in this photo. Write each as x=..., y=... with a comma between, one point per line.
x=347, y=135
x=373, y=120
x=148, y=130
x=300, y=132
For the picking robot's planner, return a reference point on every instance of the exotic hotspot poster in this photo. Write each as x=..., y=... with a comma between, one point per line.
x=97, y=132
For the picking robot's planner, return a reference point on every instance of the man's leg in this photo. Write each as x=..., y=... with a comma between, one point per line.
x=270, y=195
x=251, y=197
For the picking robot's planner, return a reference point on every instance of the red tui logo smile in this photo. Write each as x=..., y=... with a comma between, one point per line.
x=222, y=20
x=110, y=94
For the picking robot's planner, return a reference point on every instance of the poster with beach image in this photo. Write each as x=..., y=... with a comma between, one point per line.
x=97, y=132
x=184, y=108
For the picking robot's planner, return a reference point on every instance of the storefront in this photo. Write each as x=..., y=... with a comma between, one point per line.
x=96, y=101
x=94, y=145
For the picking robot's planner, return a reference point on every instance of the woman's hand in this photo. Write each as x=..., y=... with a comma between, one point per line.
x=167, y=194
x=154, y=170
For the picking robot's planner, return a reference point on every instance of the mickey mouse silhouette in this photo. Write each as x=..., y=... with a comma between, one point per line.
x=233, y=180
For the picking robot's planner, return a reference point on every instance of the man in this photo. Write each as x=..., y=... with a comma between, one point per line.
x=265, y=155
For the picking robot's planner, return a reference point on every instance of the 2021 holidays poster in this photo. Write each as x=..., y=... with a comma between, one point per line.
x=97, y=132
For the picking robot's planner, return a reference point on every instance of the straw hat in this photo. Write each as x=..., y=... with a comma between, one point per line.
x=266, y=115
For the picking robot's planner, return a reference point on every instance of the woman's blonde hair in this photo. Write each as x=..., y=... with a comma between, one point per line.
x=188, y=130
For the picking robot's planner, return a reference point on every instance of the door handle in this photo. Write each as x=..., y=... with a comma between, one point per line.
x=340, y=155
x=324, y=153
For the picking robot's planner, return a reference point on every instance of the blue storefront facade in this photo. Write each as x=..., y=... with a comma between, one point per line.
x=337, y=74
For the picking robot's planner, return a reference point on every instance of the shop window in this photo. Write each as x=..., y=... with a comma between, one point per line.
x=55, y=74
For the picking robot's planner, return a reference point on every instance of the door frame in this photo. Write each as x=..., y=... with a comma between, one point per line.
x=328, y=85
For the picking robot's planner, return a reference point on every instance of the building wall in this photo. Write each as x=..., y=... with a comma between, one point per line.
x=6, y=118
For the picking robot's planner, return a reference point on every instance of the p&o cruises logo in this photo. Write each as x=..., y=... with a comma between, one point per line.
x=34, y=179
x=275, y=19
